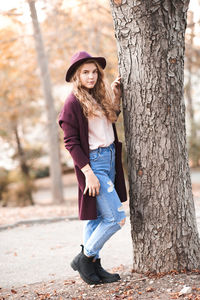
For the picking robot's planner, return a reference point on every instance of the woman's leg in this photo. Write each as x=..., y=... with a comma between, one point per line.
x=109, y=208
x=110, y=219
x=89, y=228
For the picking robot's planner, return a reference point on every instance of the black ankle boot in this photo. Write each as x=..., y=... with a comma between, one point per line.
x=76, y=258
x=105, y=276
x=86, y=268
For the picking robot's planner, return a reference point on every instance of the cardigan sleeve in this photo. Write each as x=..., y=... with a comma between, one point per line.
x=69, y=123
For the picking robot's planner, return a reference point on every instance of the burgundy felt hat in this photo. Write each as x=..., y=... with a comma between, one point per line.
x=79, y=58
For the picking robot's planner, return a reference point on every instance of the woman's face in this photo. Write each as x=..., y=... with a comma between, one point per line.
x=88, y=75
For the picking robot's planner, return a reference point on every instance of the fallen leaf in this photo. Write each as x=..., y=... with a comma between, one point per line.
x=130, y=292
x=174, y=295
x=66, y=282
x=55, y=293
x=117, y=2
x=25, y=292
x=150, y=289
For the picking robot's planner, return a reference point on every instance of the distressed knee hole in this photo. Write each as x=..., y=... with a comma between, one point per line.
x=122, y=222
x=111, y=186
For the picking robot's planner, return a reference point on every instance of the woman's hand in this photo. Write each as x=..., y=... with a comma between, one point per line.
x=92, y=184
x=116, y=87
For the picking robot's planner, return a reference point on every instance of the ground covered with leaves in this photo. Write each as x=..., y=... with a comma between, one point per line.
x=131, y=286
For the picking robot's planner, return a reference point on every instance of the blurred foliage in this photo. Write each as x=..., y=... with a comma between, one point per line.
x=194, y=151
x=15, y=188
x=93, y=33
x=31, y=154
x=40, y=172
x=4, y=182
x=18, y=194
x=20, y=103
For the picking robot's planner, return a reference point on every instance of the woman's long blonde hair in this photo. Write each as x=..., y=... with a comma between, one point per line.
x=99, y=99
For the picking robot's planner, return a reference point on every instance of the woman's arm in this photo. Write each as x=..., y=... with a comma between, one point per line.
x=72, y=144
x=70, y=124
x=92, y=184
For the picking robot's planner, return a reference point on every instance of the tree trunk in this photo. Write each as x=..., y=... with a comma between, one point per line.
x=28, y=199
x=150, y=38
x=55, y=167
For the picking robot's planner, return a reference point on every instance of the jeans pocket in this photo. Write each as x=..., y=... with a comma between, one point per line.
x=94, y=155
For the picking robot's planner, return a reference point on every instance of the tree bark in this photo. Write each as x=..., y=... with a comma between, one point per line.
x=150, y=39
x=55, y=166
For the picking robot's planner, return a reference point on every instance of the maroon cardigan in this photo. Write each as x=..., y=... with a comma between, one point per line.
x=75, y=127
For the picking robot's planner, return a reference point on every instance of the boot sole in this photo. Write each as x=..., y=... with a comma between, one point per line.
x=110, y=280
x=75, y=268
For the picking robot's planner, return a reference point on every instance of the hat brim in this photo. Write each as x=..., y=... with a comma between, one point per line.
x=100, y=60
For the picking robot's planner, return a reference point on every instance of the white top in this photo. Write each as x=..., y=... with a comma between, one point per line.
x=100, y=132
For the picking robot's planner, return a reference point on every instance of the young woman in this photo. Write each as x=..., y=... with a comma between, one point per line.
x=87, y=119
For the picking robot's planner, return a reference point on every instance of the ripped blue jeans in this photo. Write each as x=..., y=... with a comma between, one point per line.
x=109, y=207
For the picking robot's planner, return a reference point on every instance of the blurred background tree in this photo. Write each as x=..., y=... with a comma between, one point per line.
x=17, y=96
x=53, y=136
x=67, y=26
x=192, y=76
